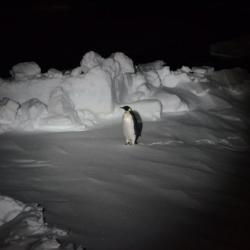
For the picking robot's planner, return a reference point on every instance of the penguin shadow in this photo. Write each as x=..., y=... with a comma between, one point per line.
x=138, y=124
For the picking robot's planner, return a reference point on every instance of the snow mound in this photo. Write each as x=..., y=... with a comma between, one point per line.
x=153, y=78
x=111, y=67
x=54, y=73
x=30, y=113
x=61, y=105
x=8, y=110
x=9, y=209
x=61, y=113
x=90, y=60
x=173, y=79
x=156, y=65
x=163, y=76
x=24, y=228
x=147, y=110
x=22, y=91
x=126, y=64
x=90, y=91
x=130, y=88
x=25, y=70
x=204, y=70
x=87, y=118
x=78, y=98
x=231, y=77
x=76, y=71
x=150, y=110
x=170, y=102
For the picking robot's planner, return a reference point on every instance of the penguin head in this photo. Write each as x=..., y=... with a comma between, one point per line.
x=126, y=108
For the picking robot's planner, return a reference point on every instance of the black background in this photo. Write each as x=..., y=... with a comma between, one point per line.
x=57, y=33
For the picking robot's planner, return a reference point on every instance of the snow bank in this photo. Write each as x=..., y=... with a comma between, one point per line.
x=130, y=88
x=156, y=65
x=60, y=104
x=80, y=98
x=231, y=77
x=25, y=70
x=90, y=60
x=126, y=64
x=54, y=73
x=170, y=102
x=90, y=91
x=24, y=90
x=150, y=110
x=8, y=110
x=23, y=227
x=30, y=114
x=9, y=209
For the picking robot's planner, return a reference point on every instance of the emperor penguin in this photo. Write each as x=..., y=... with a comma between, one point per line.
x=132, y=125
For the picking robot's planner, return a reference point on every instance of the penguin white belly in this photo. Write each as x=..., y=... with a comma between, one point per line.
x=128, y=128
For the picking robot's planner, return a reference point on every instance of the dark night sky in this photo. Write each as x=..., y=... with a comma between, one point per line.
x=57, y=33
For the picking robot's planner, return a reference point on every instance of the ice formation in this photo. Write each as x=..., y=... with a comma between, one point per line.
x=95, y=90
x=24, y=226
x=30, y=113
x=25, y=70
x=8, y=110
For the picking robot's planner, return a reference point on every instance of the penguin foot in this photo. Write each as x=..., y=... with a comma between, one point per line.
x=129, y=143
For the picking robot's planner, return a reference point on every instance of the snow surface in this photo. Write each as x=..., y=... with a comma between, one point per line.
x=23, y=227
x=184, y=186
x=54, y=100
x=25, y=70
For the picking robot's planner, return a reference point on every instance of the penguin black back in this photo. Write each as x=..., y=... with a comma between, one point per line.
x=137, y=123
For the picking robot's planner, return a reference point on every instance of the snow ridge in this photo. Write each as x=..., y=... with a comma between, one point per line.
x=25, y=228
x=56, y=101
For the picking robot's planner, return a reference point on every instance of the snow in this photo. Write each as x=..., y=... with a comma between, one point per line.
x=130, y=88
x=54, y=73
x=90, y=91
x=150, y=110
x=8, y=110
x=174, y=78
x=153, y=78
x=60, y=104
x=231, y=77
x=101, y=85
x=25, y=226
x=30, y=113
x=184, y=186
x=25, y=70
x=156, y=65
x=91, y=60
x=9, y=209
x=170, y=102
x=126, y=64
x=22, y=91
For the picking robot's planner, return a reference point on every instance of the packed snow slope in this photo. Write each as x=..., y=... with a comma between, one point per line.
x=77, y=99
x=185, y=185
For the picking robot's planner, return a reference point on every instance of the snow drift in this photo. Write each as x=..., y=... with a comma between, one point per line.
x=23, y=227
x=54, y=100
